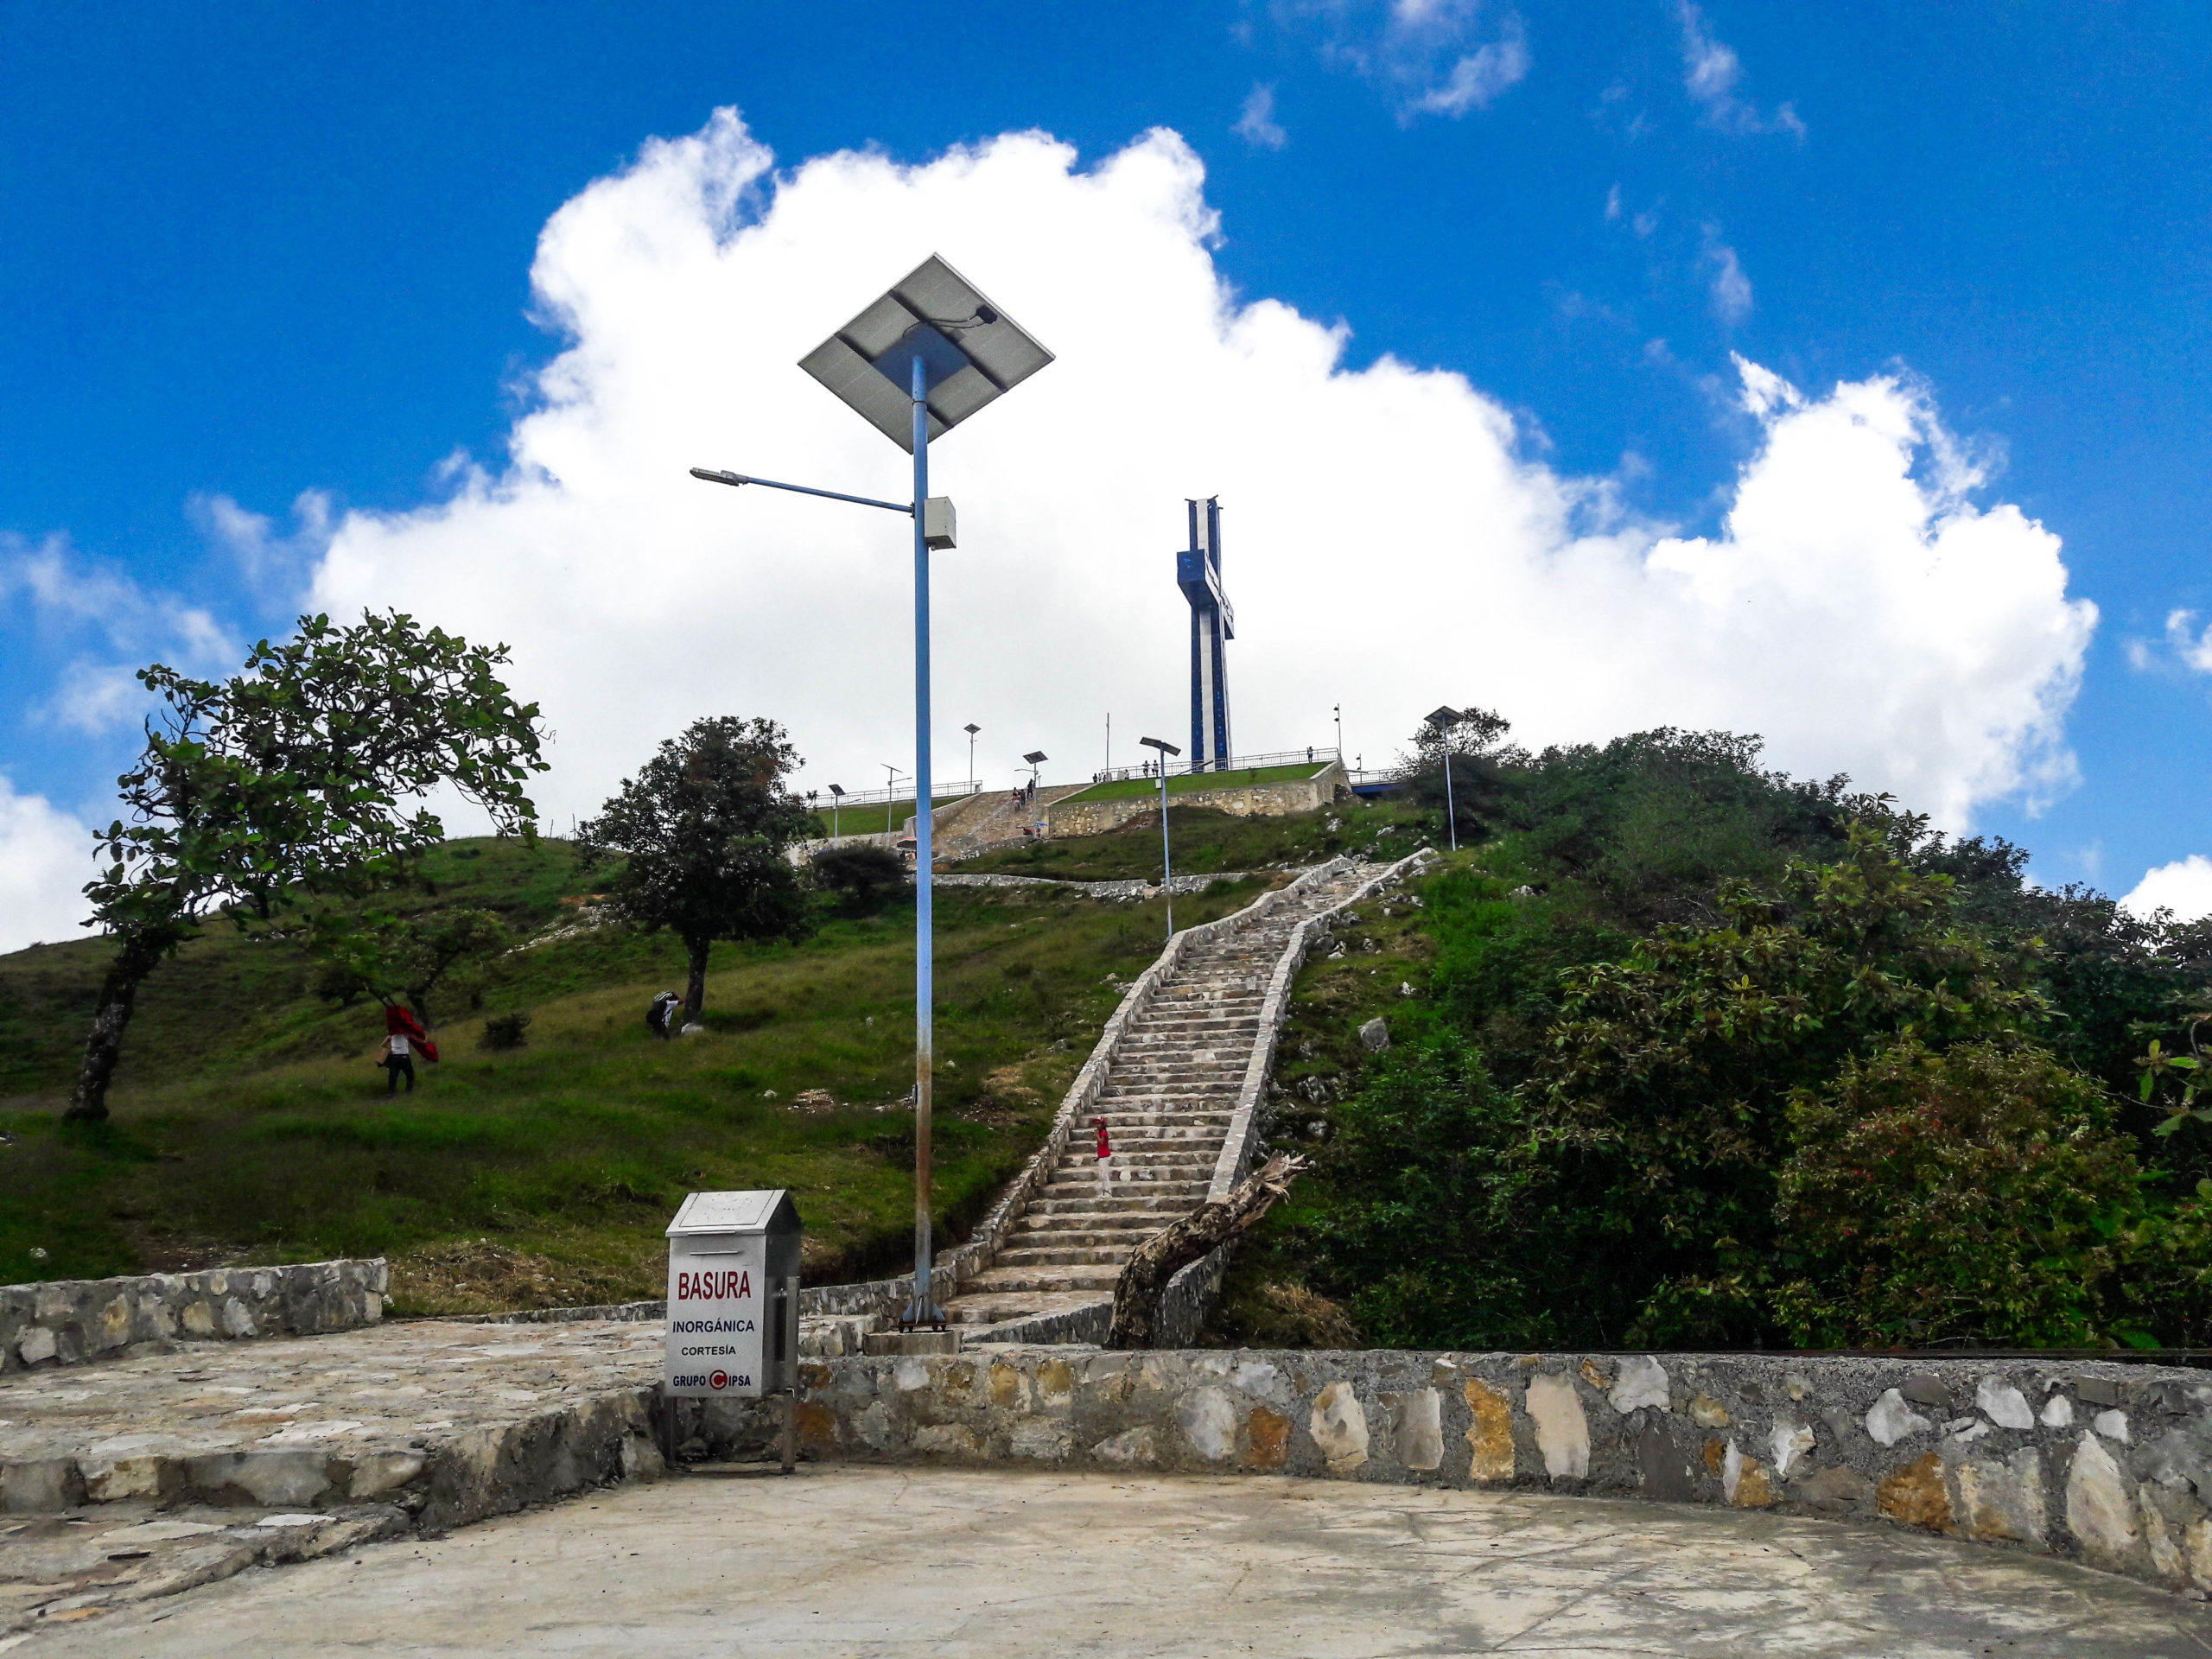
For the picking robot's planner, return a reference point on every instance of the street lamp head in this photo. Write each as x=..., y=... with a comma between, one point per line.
x=1035, y=758
x=837, y=789
x=1444, y=719
x=1161, y=744
x=971, y=728
x=971, y=352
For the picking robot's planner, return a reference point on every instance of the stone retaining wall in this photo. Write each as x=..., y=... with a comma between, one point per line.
x=1124, y=891
x=1077, y=816
x=2109, y=1464
x=68, y=1321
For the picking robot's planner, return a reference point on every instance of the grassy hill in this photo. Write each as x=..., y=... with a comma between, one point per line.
x=249, y=1123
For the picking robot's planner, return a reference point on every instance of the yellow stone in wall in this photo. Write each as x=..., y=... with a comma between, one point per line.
x=1913, y=1493
x=1490, y=1438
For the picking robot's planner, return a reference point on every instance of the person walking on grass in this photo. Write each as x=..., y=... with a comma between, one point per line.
x=398, y=1061
x=403, y=1036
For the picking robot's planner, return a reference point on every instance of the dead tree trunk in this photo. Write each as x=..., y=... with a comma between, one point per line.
x=1159, y=1258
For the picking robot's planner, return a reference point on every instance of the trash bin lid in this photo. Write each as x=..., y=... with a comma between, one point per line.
x=768, y=1212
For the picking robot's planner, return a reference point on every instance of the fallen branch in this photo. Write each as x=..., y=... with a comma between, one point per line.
x=1159, y=1258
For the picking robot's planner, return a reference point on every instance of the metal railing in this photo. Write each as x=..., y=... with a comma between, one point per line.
x=956, y=790
x=1315, y=756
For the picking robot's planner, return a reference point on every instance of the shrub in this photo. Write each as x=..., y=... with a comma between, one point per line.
x=506, y=1030
x=1980, y=1194
x=865, y=878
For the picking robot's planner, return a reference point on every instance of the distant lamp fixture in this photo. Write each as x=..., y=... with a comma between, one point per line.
x=1033, y=759
x=1166, y=869
x=971, y=728
x=1444, y=719
x=837, y=800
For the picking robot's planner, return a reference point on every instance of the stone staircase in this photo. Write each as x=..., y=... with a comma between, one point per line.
x=993, y=820
x=1168, y=1098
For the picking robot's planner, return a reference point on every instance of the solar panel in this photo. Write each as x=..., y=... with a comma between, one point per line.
x=972, y=354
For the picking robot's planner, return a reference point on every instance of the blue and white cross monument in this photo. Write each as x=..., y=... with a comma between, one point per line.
x=1213, y=623
x=917, y=361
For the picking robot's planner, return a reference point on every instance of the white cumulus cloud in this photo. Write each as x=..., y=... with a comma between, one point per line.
x=2184, y=886
x=1389, y=539
x=46, y=858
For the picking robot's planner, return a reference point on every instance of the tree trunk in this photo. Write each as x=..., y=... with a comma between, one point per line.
x=137, y=952
x=694, y=993
x=1159, y=1258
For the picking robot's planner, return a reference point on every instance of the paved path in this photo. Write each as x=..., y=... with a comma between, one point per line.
x=1170, y=1094
x=858, y=1561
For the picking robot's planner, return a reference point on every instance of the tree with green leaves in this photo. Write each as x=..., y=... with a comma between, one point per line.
x=1663, y=1104
x=304, y=776
x=701, y=832
x=403, y=958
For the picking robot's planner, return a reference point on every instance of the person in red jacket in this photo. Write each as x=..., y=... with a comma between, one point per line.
x=1105, y=1159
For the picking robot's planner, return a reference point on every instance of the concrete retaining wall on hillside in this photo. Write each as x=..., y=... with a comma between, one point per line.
x=68, y=1321
x=2109, y=1464
x=1077, y=816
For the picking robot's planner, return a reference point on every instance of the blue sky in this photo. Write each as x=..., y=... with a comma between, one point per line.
x=255, y=251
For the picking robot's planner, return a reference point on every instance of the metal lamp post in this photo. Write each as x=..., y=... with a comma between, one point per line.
x=837, y=800
x=971, y=728
x=1444, y=719
x=918, y=359
x=1166, y=864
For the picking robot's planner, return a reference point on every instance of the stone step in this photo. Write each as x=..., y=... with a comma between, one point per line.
x=993, y=1281
x=1094, y=1229
x=1061, y=1254
x=1081, y=1198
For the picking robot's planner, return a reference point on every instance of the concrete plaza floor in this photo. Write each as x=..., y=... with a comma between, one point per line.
x=844, y=1561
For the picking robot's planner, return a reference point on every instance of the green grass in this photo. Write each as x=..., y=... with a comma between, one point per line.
x=1128, y=788
x=879, y=819
x=250, y=1125
x=1206, y=838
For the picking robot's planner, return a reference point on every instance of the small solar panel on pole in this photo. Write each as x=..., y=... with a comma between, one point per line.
x=918, y=359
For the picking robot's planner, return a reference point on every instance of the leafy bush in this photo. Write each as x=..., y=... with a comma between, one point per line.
x=506, y=1030
x=866, y=878
x=1978, y=1194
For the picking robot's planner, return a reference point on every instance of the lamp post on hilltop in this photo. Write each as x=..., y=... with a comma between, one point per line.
x=1340, y=712
x=971, y=728
x=837, y=800
x=1166, y=864
x=1442, y=719
x=918, y=359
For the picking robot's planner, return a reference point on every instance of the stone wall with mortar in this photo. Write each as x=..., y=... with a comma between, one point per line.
x=2109, y=1464
x=1122, y=891
x=68, y=1321
x=1077, y=816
